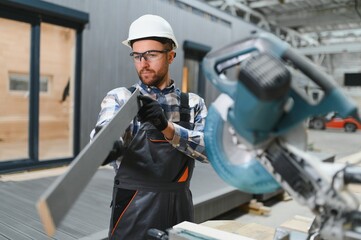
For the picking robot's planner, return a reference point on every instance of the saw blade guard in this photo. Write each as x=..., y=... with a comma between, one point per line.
x=235, y=166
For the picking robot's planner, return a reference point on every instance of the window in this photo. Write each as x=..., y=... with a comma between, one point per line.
x=20, y=82
x=40, y=46
x=14, y=108
x=56, y=109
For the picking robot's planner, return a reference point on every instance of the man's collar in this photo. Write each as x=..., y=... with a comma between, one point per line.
x=153, y=89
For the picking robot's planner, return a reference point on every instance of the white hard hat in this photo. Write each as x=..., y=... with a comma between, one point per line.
x=150, y=26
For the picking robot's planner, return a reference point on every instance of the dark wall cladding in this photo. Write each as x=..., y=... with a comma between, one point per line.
x=106, y=63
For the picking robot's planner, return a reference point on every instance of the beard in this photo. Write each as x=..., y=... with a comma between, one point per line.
x=150, y=78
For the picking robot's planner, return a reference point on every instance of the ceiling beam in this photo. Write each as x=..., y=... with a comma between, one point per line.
x=291, y=36
x=264, y=3
x=269, y=3
x=331, y=49
x=334, y=28
x=319, y=17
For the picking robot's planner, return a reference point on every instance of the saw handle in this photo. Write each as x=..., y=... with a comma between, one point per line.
x=334, y=100
x=217, y=62
x=309, y=69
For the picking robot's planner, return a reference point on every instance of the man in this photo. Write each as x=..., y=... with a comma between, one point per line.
x=156, y=158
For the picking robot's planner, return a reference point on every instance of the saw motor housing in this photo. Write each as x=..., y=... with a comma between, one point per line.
x=262, y=93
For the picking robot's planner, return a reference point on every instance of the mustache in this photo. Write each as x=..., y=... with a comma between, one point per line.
x=145, y=70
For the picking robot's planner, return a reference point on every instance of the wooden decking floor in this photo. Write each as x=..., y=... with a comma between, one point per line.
x=90, y=214
x=19, y=218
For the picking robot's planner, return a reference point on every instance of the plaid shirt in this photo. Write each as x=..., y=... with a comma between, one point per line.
x=190, y=142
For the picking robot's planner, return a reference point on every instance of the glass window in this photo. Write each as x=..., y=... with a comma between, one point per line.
x=57, y=53
x=14, y=108
x=20, y=82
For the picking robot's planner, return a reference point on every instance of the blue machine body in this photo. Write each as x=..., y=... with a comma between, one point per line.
x=255, y=119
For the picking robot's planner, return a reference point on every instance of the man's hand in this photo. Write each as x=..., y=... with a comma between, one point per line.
x=152, y=112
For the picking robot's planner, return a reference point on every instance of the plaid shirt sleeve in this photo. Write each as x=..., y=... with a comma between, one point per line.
x=110, y=106
x=191, y=142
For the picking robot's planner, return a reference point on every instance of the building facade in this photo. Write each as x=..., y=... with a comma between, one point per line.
x=79, y=58
x=71, y=86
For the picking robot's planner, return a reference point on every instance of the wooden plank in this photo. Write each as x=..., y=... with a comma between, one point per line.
x=56, y=201
x=251, y=230
x=255, y=207
x=185, y=228
x=298, y=223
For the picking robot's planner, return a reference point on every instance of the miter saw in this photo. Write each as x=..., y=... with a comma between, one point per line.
x=255, y=136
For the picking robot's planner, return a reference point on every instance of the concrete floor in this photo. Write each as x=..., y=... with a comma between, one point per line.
x=335, y=141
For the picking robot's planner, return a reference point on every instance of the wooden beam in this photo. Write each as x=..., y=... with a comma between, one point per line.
x=57, y=200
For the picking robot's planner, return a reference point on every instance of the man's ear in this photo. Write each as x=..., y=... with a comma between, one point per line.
x=172, y=56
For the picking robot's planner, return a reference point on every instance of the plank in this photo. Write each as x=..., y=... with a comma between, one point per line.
x=56, y=201
x=187, y=229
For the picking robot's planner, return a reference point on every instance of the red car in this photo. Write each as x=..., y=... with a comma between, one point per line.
x=349, y=124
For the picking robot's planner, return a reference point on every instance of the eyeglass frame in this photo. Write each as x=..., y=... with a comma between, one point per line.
x=142, y=55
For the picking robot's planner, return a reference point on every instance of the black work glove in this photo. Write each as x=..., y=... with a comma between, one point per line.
x=115, y=153
x=151, y=111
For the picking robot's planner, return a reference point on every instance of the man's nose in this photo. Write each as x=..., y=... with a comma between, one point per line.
x=143, y=61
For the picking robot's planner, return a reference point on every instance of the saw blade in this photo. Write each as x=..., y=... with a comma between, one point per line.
x=232, y=159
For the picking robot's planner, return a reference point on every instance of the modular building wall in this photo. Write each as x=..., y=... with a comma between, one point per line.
x=106, y=63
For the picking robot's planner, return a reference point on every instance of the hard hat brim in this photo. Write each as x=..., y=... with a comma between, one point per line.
x=127, y=42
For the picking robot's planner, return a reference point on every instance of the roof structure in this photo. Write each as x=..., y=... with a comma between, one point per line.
x=302, y=23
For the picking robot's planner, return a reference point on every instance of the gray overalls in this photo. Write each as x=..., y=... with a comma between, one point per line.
x=151, y=187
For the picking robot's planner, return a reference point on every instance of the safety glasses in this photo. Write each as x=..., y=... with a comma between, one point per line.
x=150, y=56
